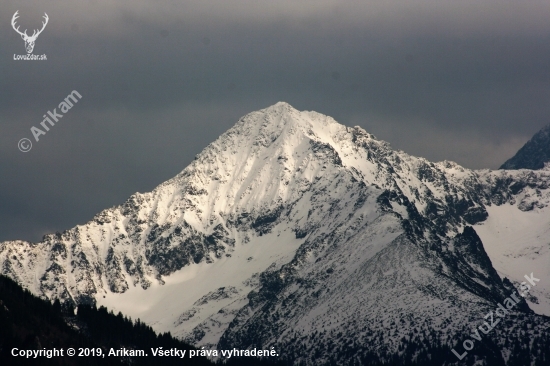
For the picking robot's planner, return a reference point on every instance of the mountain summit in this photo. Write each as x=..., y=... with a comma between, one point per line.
x=534, y=154
x=293, y=231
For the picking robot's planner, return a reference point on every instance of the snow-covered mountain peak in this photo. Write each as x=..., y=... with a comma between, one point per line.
x=289, y=221
x=262, y=160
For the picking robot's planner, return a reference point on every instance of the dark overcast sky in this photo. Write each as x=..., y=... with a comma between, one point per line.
x=461, y=80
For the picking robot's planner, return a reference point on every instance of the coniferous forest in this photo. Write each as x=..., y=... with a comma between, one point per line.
x=30, y=323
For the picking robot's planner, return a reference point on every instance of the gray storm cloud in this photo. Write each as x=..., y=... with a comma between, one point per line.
x=448, y=80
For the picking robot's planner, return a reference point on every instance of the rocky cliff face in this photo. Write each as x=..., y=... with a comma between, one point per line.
x=293, y=231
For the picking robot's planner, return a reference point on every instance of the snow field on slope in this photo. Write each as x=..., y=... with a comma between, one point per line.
x=183, y=288
x=518, y=243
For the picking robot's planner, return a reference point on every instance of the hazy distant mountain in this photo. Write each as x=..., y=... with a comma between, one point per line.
x=295, y=232
x=533, y=154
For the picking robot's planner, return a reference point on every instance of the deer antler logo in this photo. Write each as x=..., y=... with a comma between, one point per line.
x=29, y=41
